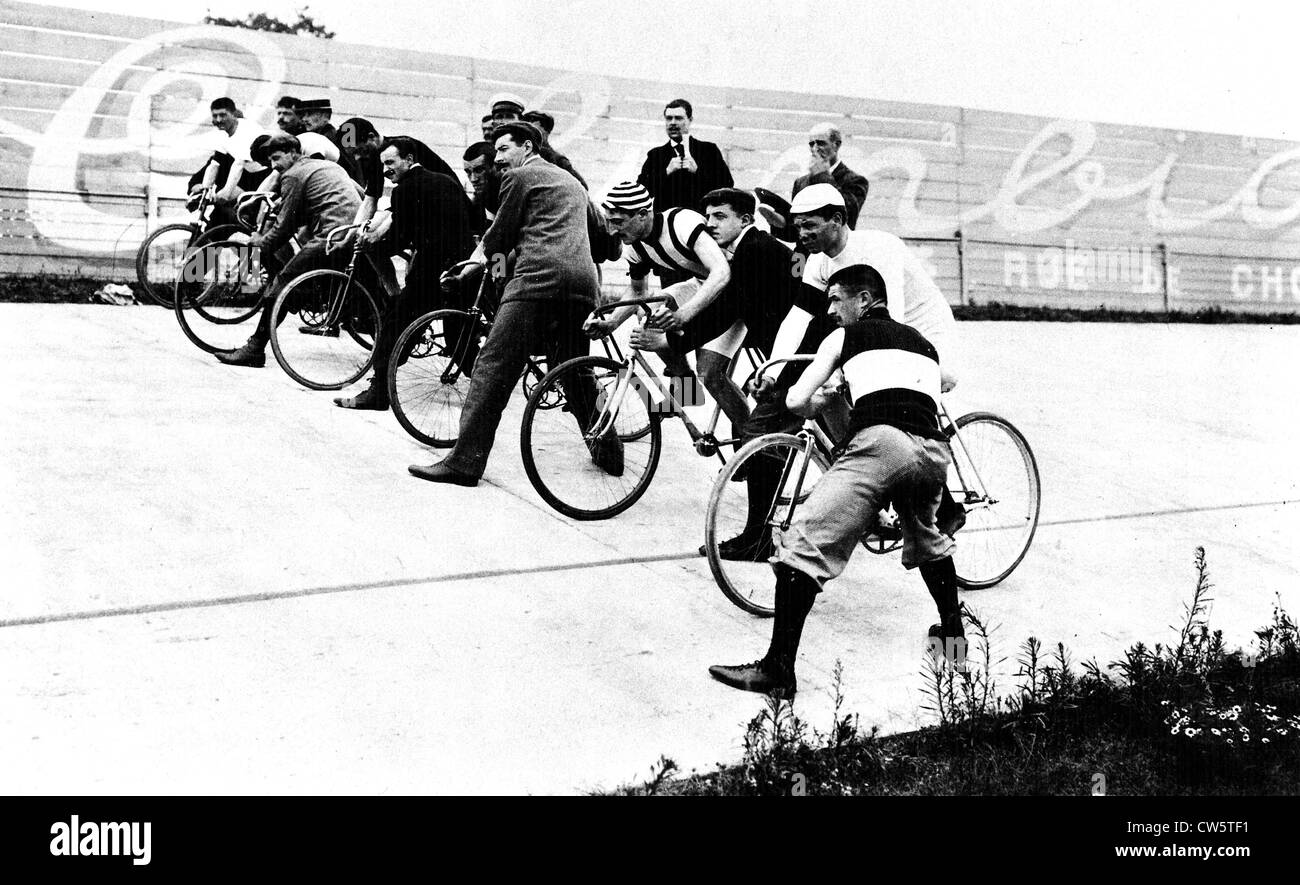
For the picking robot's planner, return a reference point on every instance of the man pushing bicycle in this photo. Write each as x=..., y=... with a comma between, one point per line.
x=895, y=451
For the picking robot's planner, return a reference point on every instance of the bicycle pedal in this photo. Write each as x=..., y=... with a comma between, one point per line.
x=320, y=331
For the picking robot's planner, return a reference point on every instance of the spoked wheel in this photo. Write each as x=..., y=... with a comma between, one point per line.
x=994, y=476
x=588, y=458
x=429, y=373
x=217, y=298
x=326, y=324
x=774, y=463
x=160, y=258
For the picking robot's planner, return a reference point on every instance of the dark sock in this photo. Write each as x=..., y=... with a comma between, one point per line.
x=762, y=483
x=795, y=594
x=941, y=580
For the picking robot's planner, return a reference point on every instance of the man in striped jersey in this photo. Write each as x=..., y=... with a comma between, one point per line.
x=700, y=319
x=896, y=452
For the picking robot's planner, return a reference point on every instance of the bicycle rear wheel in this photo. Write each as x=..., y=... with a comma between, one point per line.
x=428, y=376
x=326, y=324
x=995, y=477
x=749, y=582
x=584, y=457
x=160, y=258
x=217, y=297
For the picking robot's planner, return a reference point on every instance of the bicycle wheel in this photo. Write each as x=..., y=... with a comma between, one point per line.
x=582, y=475
x=749, y=583
x=218, y=297
x=995, y=477
x=159, y=260
x=222, y=232
x=427, y=376
x=326, y=323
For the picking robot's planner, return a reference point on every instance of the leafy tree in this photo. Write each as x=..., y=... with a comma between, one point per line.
x=260, y=21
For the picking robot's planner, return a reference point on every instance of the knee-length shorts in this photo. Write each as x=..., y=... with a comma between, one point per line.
x=880, y=464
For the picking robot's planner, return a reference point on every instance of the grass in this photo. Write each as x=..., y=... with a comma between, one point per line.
x=1187, y=718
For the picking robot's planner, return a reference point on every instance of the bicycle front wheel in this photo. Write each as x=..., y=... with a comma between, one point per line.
x=160, y=258
x=580, y=442
x=429, y=372
x=995, y=478
x=324, y=323
x=775, y=464
x=217, y=297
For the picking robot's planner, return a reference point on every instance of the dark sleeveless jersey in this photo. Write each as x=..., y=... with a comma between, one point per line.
x=893, y=376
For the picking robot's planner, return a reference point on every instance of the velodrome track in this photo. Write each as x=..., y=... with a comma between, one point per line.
x=217, y=582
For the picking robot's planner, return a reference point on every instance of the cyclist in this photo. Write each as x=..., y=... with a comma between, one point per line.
x=315, y=194
x=896, y=451
x=820, y=218
x=544, y=217
x=430, y=214
x=232, y=168
x=699, y=319
x=485, y=181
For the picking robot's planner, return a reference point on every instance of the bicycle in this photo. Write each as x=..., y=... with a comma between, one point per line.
x=221, y=285
x=554, y=448
x=163, y=253
x=338, y=320
x=993, y=476
x=431, y=365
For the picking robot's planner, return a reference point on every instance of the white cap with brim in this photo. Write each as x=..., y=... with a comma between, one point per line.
x=506, y=99
x=816, y=196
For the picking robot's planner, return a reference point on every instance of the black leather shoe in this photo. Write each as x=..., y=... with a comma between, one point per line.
x=440, y=472
x=321, y=331
x=373, y=398
x=755, y=677
x=607, y=453
x=744, y=549
x=251, y=357
x=948, y=649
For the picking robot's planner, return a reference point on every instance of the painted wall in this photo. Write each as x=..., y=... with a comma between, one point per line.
x=103, y=117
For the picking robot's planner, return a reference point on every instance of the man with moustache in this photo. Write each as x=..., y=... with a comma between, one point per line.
x=430, y=215
x=824, y=167
x=543, y=218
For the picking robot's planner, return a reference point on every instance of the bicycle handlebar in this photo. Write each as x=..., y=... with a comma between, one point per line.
x=634, y=302
x=246, y=200
x=342, y=230
x=793, y=358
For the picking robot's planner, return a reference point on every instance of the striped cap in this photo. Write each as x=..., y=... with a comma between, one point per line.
x=627, y=196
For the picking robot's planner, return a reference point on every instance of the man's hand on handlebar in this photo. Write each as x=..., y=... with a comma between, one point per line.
x=455, y=275
x=666, y=319
x=599, y=328
x=762, y=387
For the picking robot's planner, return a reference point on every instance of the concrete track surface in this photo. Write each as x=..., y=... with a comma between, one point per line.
x=217, y=582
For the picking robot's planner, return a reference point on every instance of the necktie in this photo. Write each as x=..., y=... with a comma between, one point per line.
x=681, y=150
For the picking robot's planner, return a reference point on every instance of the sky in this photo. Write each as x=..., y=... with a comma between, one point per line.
x=1219, y=67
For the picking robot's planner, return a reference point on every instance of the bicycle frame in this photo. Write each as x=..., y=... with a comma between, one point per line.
x=705, y=441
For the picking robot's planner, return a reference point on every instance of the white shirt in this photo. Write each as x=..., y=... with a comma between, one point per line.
x=238, y=145
x=913, y=297
x=315, y=143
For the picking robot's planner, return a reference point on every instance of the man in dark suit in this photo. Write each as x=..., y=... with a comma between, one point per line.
x=682, y=170
x=824, y=167
x=543, y=218
x=430, y=214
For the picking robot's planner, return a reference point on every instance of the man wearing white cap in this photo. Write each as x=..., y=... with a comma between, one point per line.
x=820, y=219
